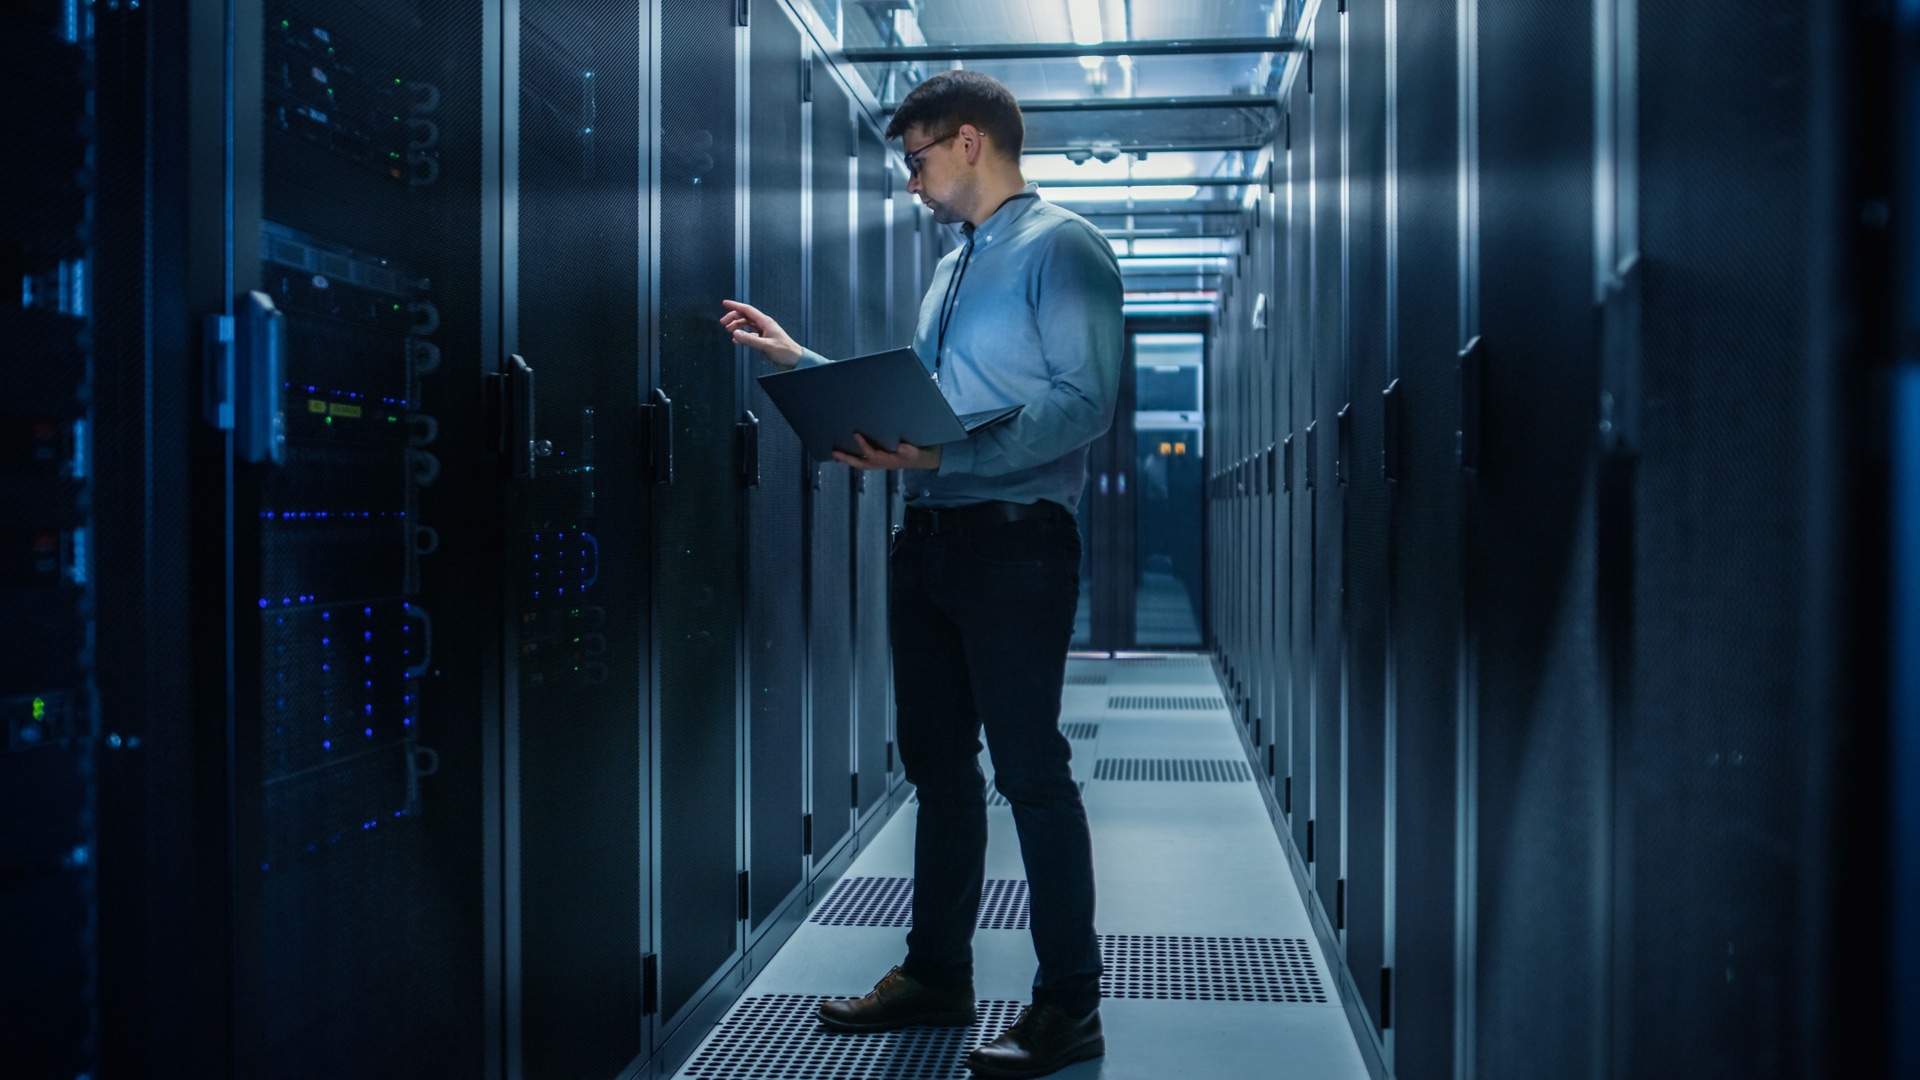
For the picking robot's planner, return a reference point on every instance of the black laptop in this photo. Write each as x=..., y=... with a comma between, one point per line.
x=889, y=397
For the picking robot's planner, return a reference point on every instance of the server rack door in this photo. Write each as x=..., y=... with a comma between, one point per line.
x=1367, y=506
x=1426, y=548
x=49, y=764
x=1544, y=748
x=1330, y=395
x=829, y=507
x=578, y=541
x=1721, y=786
x=1260, y=268
x=697, y=599
x=908, y=277
x=361, y=557
x=1302, y=227
x=776, y=616
x=871, y=661
x=1280, y=406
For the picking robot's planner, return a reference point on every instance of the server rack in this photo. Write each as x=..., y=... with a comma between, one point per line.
x=873, y=332
x=1326, y=438
x=698, y=531
x=351, y=508
x=830, y=331
x=1427, y=552
x=51, y=768
x=775, y=472
x=1364, y=132
x=428, y=733
x=576, y=301
x=1524, y=724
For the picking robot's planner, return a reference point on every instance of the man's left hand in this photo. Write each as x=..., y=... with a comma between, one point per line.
x=908, y=456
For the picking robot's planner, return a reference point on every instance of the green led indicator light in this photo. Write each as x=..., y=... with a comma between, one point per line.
x=39, y=709
x=284, y=24
x=329, y=421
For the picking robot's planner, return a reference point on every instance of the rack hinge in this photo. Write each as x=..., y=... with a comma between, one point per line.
x=649, y=984
x=806, y=834
x=746, y=897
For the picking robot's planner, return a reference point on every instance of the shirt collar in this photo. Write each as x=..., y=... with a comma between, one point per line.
x=1008, y=213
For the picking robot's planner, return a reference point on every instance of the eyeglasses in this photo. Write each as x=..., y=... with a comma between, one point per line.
x=913, y=157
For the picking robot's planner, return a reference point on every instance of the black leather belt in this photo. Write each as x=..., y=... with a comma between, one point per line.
x=977, y=516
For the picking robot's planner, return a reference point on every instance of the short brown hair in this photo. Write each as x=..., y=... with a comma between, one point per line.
x=951, y=98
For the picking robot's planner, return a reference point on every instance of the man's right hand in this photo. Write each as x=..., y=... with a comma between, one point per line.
x=753, y=329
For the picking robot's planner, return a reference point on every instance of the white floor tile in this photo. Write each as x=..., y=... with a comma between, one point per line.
x=1188, y=859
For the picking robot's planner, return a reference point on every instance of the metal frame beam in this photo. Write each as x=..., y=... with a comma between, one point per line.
x=1181, y=256
x=1091, y=214
x=1166, y=234
x=1248, y=145
x=1186, y=181
x=1147, y=104
x=1067, y=50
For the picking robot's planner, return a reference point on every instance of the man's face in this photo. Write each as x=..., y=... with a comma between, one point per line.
x=942, y=179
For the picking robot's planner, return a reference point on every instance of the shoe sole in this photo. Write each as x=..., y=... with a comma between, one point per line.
x=923, y=1020
x=1087, y=1051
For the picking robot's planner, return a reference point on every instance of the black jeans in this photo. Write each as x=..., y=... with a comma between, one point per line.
x=981, y=623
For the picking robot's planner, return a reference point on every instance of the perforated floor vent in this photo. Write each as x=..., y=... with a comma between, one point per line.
x=1165, y=704
x=1209, y=969
x=1185, y=770
x=1080, y=731
x=1163, y=661
x=888, y=901
x=778, y=1037
x=1086, y=680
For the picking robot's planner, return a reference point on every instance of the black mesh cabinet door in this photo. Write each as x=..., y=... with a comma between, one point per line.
x=697, y=516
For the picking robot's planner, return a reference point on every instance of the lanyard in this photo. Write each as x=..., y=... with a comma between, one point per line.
x=952, y=300
x=947, y=306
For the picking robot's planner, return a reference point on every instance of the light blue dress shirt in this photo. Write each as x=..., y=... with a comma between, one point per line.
x=1037, y=323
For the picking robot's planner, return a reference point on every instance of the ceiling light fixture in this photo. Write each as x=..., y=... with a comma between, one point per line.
x=1085, y=17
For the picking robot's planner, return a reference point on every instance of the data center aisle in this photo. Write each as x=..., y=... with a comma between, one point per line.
x=1212, y=967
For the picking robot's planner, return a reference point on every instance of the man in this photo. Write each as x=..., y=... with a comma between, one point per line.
x=986, y=570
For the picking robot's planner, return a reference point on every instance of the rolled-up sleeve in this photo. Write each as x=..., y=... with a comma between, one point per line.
x=1077, y=308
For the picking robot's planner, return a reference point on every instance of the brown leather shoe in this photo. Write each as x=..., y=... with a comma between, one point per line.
x=1044, y=1038
x=898, y=1001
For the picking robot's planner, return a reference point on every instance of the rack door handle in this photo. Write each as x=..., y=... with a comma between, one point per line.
x=660, y=437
